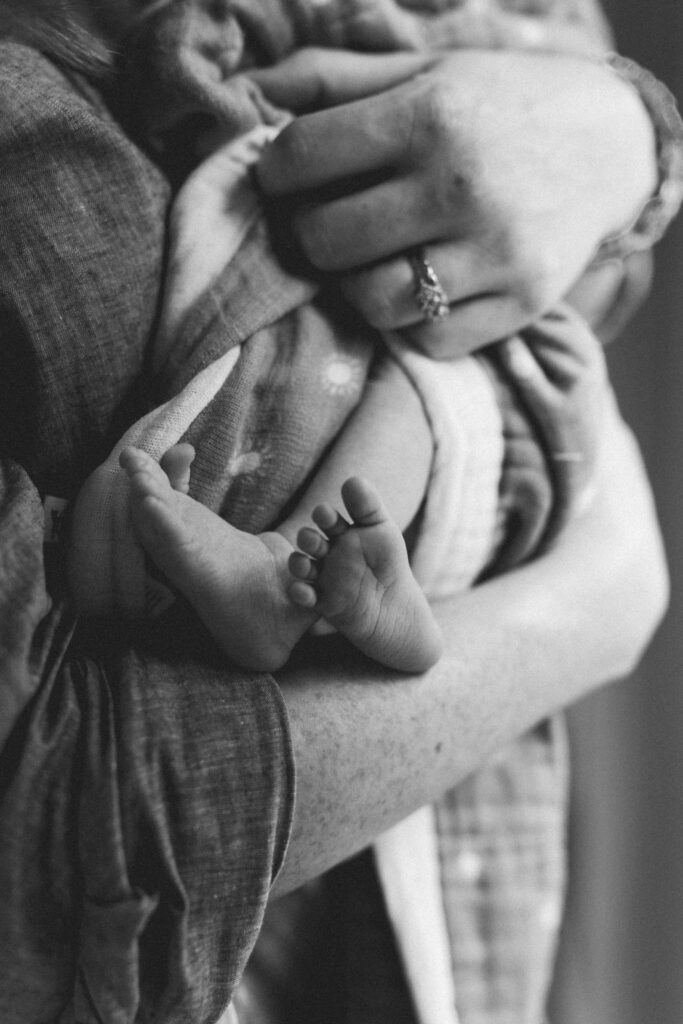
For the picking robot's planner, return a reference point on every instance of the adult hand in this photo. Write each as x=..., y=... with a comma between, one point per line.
x=509, y=167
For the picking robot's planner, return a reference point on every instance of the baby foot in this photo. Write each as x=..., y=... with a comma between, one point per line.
x=236, y=582
x=358, y=577
x=177, y=465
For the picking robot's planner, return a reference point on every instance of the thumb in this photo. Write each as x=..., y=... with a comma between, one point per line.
x=314, y=78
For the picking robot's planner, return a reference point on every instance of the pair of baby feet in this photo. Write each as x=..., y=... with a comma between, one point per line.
x=258, y=596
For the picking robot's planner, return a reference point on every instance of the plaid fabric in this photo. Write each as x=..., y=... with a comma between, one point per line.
x=503, y=868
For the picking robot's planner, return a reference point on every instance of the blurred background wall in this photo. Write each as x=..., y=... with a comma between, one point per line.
x=621, y=959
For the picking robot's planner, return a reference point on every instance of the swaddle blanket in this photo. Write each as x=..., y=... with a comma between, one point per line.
x=261, y=378
x=235, y=413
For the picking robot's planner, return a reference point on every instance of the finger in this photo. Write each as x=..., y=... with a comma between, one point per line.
x=472, y=324
x=314, y=78
x=530, y=378
x=386, y=294
x=566, y=344
x=371, y=225
x=317, y=149
x=562, y=434
x=562, y=365
x=569, y=422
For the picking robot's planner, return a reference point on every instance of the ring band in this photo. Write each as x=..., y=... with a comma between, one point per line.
x=430, y=297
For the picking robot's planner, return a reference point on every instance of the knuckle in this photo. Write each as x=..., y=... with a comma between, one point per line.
x=437, y=142
x=453, y=201
x=435, y=112
x=425, y=123
x=310, y=63
x=290, y=151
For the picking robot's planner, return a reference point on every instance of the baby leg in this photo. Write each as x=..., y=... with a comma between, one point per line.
x=240, y=584
x=387, y=440
x=237, y=582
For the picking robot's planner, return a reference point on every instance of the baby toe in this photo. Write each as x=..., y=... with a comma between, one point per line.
x=134, y=460
x=312, y=543
x=144, y=484
x=329, y=520
x=362, y=502
x=302, y=567
x=302, y=594
x=177, y=465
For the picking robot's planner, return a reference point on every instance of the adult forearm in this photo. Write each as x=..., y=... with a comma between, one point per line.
x=141, y=785
x=372, y=746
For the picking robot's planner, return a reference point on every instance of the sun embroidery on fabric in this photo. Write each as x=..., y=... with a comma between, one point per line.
x=340, y=376
x=245, y=462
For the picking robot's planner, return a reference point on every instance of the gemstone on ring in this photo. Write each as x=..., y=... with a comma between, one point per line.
x=430, y=297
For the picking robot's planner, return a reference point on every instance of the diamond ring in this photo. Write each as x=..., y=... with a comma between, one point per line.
x=430, y=297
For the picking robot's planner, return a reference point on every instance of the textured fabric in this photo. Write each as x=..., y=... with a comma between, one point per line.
x=70, y=367
x=282, y=985
x=142, y=785
x=527, y=508
x=503, y=875
x=180, y=47
x=453, y=545
x=107, y=566
x=457, y=531
x=145, y=838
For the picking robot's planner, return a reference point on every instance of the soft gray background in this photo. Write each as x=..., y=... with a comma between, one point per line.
x=622, y=956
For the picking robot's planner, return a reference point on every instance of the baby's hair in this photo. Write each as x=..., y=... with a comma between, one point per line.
x=55, y=28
